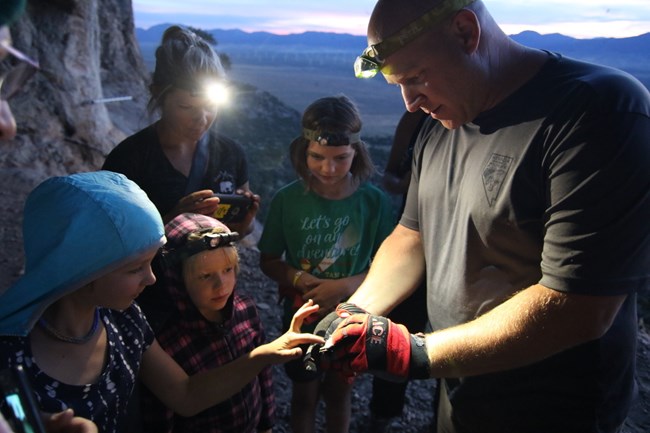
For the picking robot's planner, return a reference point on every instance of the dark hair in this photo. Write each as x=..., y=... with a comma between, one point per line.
x=338, y=115
x=183, y=59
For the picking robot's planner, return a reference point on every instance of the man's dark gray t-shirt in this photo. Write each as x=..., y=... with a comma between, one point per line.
x=552, y=187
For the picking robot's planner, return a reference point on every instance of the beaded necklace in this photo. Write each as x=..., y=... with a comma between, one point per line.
x=52, y=332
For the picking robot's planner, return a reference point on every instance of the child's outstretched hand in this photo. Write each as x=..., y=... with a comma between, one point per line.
x=285, y=347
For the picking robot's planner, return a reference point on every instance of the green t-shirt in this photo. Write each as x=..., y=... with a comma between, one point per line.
x=328, y=238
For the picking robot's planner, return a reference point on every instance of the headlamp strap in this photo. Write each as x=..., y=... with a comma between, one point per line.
x=323, y=138
x=209, y=241
x=199, y=164
x=415, y=28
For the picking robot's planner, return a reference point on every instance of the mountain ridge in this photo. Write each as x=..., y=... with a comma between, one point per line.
x=338, y=50
x=346, y=40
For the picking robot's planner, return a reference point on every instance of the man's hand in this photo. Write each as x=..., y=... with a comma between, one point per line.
x=366, y=343
x=326, y=327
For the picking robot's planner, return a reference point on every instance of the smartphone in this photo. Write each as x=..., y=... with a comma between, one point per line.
x=18, y=404
x=232, y=207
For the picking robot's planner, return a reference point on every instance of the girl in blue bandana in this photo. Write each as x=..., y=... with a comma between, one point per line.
x=71, y=322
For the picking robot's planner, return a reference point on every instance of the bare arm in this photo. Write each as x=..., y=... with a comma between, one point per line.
x=328, y=293
x=278, y=270
x=498, y=340
x=189, y=395
x=396, y=271
x=536, y=323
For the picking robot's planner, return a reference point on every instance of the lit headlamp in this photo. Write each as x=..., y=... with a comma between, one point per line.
x=215, y=91
x=331, y=138
x=208, y=241
x=372, y=59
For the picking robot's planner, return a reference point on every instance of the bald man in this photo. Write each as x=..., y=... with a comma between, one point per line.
x=528, y=214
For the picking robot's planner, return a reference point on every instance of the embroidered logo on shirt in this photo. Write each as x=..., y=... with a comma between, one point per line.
x=493, y=176
x=224, y=183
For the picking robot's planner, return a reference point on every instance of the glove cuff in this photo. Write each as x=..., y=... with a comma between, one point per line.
x=420, y=365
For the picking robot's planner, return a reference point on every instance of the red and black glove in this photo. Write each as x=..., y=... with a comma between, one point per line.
x=326, y=327
x=366, y=343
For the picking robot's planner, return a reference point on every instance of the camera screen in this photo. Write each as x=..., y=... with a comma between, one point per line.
x=15, y=415
x=17, y=408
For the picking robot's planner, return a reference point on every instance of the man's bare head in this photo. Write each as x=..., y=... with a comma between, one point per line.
x=389, y=16
x=393, y=25
x=449, y=57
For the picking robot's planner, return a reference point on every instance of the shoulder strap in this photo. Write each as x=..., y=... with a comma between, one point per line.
x=199, y=164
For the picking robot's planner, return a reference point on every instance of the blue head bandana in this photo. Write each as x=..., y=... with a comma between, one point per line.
x=76, y=228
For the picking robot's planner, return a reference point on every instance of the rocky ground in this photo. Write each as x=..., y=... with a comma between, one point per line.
x=418, y=415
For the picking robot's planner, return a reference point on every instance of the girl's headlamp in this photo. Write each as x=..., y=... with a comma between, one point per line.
x=331, y=138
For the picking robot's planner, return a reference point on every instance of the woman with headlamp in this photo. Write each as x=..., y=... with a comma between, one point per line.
x=179, y=160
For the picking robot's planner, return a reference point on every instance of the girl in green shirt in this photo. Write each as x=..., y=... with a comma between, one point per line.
x=320, y=235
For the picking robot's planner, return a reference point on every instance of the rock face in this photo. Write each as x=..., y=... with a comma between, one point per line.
x=87, y=51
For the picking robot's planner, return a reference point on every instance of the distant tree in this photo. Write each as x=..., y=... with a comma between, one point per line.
x=209, y=38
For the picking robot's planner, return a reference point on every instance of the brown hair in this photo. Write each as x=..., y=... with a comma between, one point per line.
x=332, y=114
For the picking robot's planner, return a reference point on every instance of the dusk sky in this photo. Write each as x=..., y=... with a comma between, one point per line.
x=576, y=18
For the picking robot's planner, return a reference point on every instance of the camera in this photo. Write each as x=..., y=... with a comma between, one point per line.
x=232, y=208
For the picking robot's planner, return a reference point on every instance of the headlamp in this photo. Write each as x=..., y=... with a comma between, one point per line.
x=208, y=241
x=331, y=138
x=216, y=92
x=372, y=59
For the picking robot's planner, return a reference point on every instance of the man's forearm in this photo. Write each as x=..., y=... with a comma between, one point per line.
x=396, y=271
x=534, y=324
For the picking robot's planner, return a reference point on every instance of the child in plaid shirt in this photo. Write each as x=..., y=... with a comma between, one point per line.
x=211, y=325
